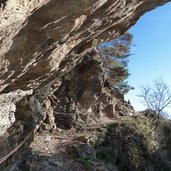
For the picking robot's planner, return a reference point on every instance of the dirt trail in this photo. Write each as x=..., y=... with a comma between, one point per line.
x=50, y=150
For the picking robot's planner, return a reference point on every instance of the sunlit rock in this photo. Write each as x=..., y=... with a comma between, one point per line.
x=8, y=108
x=42, y=40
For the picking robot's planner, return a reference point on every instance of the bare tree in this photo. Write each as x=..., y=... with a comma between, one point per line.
x=156, y=97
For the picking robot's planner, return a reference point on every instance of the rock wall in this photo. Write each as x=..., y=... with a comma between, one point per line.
x=42, y=40
x=85, y=94
x=8, y=107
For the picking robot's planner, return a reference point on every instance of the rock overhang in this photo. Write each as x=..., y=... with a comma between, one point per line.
x=42, y=40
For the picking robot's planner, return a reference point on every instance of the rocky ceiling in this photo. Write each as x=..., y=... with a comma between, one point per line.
x=40, y=40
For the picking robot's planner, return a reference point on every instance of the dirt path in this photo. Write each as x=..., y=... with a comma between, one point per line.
x=50, y=150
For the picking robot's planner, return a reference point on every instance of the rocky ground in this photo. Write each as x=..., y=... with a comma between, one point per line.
x=51, y=79
x=127, y=143
x=84, y=125
x=55, y=151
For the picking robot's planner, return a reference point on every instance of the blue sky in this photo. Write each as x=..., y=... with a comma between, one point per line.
x=151, y=53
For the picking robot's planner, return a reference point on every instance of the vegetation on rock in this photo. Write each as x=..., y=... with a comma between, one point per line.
x=43, y=44
x=132, y=144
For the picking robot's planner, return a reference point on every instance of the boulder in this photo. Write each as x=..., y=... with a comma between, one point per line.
x=84, y=151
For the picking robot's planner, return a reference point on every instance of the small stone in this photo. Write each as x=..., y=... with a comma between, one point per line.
x=83, y=139
x=48, y=138
x=83, y=151
x=59, y=130
x=93, y=139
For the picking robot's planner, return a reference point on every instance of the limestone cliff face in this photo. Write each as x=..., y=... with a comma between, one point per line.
x=42, y=40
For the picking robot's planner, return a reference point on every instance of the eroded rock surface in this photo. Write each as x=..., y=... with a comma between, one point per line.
x=42, y=40
x=8, y=107
x=40, y=43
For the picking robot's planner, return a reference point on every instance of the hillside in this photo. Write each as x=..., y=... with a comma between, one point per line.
x=54, y=91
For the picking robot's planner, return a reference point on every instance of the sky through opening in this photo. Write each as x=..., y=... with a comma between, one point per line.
x=151, y=52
